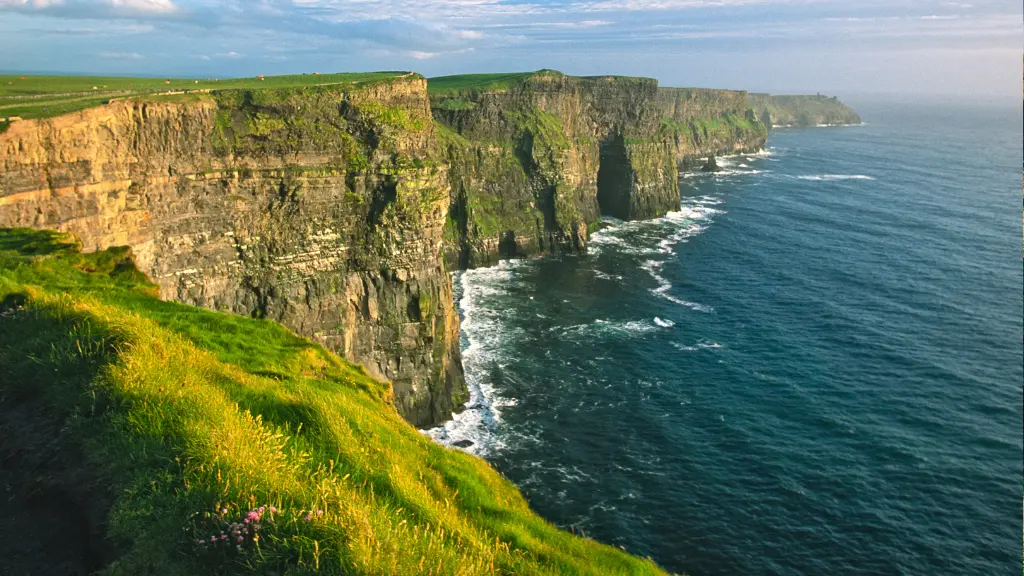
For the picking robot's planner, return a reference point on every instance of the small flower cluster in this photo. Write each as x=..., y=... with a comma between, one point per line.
x=314, y=515
x=241, y=533
x=11, y=312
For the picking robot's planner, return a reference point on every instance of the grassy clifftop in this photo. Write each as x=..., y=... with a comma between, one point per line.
x=146, y=437
x=48, y=96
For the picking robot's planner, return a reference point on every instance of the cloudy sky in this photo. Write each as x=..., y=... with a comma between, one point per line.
x=844, y=47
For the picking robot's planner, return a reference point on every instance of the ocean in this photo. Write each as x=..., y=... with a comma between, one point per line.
x=814, y=367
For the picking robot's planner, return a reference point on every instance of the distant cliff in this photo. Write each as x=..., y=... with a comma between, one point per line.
x=801, y=111
x=702, y=122
x=536, y=159
x=338, y=209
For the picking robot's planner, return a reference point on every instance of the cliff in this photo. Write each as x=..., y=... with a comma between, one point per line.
x=537, y=158
x=802, y=111
x=702, y=122
x=319, y=207
x=336, y=209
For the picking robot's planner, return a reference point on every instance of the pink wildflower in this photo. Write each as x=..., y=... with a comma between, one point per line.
x=239, y=539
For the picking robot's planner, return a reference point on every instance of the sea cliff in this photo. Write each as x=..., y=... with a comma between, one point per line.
x=321, y=208
x=536, y=159
x=338, y=210
x=799, y=111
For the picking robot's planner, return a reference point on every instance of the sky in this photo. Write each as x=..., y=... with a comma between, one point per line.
x=899, y=47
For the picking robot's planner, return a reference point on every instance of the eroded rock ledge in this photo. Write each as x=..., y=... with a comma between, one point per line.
x=337, y=210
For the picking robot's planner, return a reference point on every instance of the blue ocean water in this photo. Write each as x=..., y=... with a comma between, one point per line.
x=815, y=367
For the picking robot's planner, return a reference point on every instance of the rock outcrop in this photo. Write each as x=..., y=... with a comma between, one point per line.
x=321, y=208
x=798, y=111
x=338, y=210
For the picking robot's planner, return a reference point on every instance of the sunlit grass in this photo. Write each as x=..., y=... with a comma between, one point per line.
x=194, y=418
x=47, y=96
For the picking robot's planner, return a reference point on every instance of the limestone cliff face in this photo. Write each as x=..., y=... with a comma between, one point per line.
x=801, y=110
x=534, y=165
x=701, y=122
x=322, y=208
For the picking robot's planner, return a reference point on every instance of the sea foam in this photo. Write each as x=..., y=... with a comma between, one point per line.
x=486, y=335
x=829, y=177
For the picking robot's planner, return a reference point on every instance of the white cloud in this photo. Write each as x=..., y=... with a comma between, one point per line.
x=122, y=55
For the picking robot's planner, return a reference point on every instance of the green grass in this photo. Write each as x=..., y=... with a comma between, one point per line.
x=181, y=420
x=477, y=82
x=47, y=96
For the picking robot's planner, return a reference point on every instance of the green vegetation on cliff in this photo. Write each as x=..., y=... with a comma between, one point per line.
x=151, y=437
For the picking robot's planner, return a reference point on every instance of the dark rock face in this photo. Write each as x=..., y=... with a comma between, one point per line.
x=337, y=210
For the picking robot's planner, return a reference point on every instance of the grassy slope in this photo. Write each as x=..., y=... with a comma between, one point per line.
x=47, y=96
x=168, y=416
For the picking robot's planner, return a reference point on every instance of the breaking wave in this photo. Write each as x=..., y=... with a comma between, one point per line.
x=484, y=336
x=829, y=177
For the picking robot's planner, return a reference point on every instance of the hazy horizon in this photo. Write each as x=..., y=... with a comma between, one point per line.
x=900, y=48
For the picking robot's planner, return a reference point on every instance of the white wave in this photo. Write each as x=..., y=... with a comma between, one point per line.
x=664, y=323
x=728, y=172
x=606, y=276
x=601, y=326
x=701, y=344
x=486, y=333
x=653, y=267
x=658, y=235
x=829, y=177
